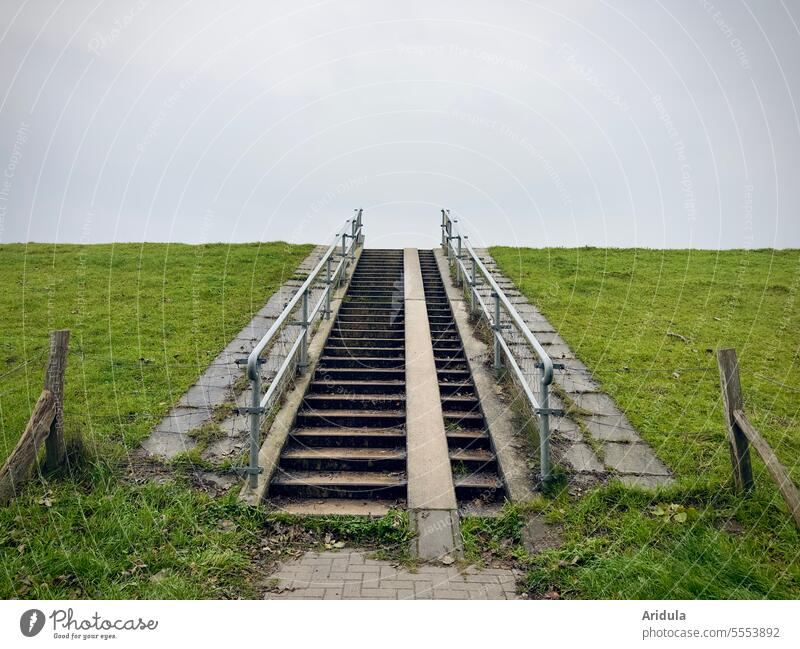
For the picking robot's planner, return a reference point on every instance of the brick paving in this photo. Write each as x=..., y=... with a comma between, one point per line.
x=351, y=574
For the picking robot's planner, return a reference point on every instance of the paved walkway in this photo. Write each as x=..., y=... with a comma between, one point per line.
x=350, y=574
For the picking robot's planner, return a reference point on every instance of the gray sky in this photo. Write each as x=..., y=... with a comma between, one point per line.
x=659, y=124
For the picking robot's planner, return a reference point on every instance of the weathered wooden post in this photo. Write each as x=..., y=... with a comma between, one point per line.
x=741, y=434
x=17, y=467
x=732, y=401
x=55, y=449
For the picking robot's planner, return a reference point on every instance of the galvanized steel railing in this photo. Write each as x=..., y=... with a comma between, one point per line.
x=456, y=245
x=343, y=247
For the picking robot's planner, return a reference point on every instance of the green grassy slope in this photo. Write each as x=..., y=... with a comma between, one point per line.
x=647, y=322
x=145, y=319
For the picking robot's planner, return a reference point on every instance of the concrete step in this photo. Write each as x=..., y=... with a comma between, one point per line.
x=460, y=403
x=351, y=418
x=339, y=484
x=346, y=387
x=359, y=373
x=474, y=460
x=343, y=458
x=486, y=486
x=359, y=352
x=456, y=353
x=374, y=508
x=465, y=438
x=453, y=388
x=355, y=401
x=333, y=436
x=394, y=332
x=365, y=362
x=353, y=341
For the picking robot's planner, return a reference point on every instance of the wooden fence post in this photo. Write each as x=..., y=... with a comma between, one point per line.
x=18, y=465
x=732, y=401
x=55, y=448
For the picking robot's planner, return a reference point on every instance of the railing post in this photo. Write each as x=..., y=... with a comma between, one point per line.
x=544, y=429
x=732, y=401
x=459, y=277
x=329, y=289
x=498, y=361
x=444, y=230
x=303, y=363
x=255, y=403
x=449, y=229
x=354, y=237
x=473, y=287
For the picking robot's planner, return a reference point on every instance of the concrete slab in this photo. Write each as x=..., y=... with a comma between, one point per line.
x=167, y=445
x=181, y=420
x=566, y=428
x=538, y=536
x=431, y=495
x=437, y=533
x=205, y=396
x=430, y=480
x=610, y=428
x=582, y=459
x=633, y=458
x=645, y=481
x=575, y=382
x=598, y=403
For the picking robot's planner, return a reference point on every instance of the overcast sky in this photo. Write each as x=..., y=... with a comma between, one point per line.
x=623, y=123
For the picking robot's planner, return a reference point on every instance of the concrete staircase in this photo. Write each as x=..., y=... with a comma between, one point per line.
x=349, y=439
x=472, y=460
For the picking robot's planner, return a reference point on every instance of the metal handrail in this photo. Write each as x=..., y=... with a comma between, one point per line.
x=351, y=230
x=541, y=406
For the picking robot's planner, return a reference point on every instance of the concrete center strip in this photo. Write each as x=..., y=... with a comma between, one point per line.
x=431, y=496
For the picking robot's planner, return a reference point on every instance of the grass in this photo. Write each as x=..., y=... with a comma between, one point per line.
x=647, y=324
x=145, y=321
x=91, y=536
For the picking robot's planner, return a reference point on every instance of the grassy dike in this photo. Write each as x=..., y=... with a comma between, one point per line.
x=647, y=322
x=146, y=319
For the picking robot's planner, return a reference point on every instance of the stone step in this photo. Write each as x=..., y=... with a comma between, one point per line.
x=475, y=460
x=359, y=373
x=344, y=458
x=354, y=401
x=333, y=436
x=352, y=418
x=468, y=438
x=347, y=387
x=486, y=486
x=338, y=484
x=365, y=362
x=355, y=342
x=364, y=352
